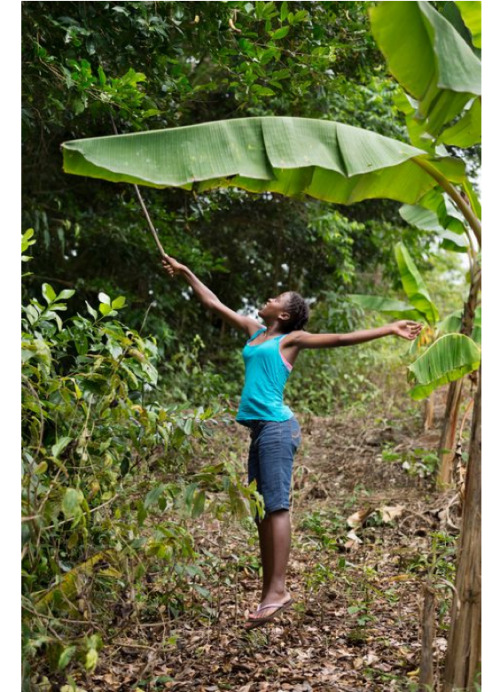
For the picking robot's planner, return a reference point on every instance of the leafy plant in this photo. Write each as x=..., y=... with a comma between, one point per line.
x=93, y=432
x=448, y=357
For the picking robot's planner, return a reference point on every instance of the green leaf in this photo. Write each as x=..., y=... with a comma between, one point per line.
x=473, y=198
x=104, y=298
x=154, y=495
x=198, y=504
x=261, y=90
x=448, y=359
x=91, y=659
x=118, y=302
x=467, y=131
x=283, y=11
x=453, y=241
x=48, y=293
x=425, y=219
x=105, y=309
x=471, y=14
x=66, y=656
x=428, y=57
x=267, y=55
x=94, y=383
x=291, y=156
x=280, y=33
x=395, y=308
x=414, y=285
x=26, y=240
x=60, y=446
x=67, y=293
x=71, y=503
x=428, y=220
x=452, y=323
x=298, y=16
x=92, y=311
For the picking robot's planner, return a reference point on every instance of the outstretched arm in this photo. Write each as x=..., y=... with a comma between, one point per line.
x=405, y=329
x=209, y=299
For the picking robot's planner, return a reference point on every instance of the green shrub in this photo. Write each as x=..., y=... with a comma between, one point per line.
x=106, y=489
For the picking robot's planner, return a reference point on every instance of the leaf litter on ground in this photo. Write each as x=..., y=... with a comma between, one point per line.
x=361, y=550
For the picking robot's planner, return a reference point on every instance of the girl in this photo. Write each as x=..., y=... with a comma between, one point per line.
x=269, y=356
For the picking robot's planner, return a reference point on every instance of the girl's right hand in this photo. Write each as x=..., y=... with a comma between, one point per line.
x=172, y=266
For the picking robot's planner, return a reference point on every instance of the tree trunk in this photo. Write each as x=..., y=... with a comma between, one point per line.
x=446, y=449
x=426, y=678
x=464, y=641
x=448, y=434
x=429, y=412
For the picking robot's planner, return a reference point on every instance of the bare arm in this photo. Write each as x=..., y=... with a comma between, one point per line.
x=209, y=299
x=296, y=341
x=404, y=328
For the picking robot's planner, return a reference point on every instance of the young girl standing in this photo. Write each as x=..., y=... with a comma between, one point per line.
x=269, y=356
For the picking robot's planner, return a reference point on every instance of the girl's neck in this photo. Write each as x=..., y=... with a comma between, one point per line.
x=273, y=329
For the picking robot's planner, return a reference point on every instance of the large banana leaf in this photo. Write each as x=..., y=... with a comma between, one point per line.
x=428, y=220
x=452, y=323
x=448, y=215
x=467, y=131
x=388, y=306
x=414, y=285
x=292, y=156
x=471, y=14
x=449, y=358
x=429, y=58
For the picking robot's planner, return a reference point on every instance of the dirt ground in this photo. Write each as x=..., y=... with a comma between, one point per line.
x=367, y=530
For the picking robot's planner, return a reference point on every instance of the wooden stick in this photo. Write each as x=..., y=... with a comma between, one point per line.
x=144, y=209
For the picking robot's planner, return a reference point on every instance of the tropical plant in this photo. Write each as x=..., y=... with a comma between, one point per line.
x=441, y=101
x=445, y=355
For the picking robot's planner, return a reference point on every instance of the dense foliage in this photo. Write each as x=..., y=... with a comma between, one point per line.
x=93, y=433
x=188, y=63
x=120, y=392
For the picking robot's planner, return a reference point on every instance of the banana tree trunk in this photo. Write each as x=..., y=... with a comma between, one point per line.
x=448, y=434
x=446, y=449
x=429, y=412
x=464, y=641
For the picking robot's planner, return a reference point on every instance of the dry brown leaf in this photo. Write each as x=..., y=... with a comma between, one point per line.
x=353, y=542
x=371, y=658
x=358, y=518
x=389, y=513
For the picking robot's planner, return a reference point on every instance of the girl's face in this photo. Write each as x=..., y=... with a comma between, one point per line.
x=275, y=308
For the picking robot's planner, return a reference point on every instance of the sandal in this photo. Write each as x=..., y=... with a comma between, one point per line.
x=251, y=623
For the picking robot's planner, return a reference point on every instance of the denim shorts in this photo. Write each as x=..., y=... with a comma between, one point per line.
x=270, y=459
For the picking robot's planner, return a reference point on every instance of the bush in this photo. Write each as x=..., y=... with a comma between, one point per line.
x=95, y=429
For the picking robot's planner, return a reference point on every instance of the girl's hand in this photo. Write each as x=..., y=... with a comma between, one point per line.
x=406, y=329
x=172, y=266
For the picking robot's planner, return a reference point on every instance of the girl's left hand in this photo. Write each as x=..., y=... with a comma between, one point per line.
x=406, y=329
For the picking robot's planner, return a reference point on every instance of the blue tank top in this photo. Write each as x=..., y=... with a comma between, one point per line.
x=266, y=373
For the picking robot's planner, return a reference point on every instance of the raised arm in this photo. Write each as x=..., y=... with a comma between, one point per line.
x=209, y=299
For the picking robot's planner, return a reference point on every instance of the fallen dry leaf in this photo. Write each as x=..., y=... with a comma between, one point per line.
x=358, y=518
x=389, y=513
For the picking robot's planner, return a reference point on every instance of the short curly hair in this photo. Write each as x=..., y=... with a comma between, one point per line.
x=299, y=312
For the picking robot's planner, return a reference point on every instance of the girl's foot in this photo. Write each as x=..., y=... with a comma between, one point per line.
x=268, y=609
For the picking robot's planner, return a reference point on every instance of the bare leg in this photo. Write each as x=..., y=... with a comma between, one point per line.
x=275, y=538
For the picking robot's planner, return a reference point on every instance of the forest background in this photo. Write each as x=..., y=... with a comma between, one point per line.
x=76, y=222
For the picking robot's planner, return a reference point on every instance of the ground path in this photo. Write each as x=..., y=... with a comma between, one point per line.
x=364, y=526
